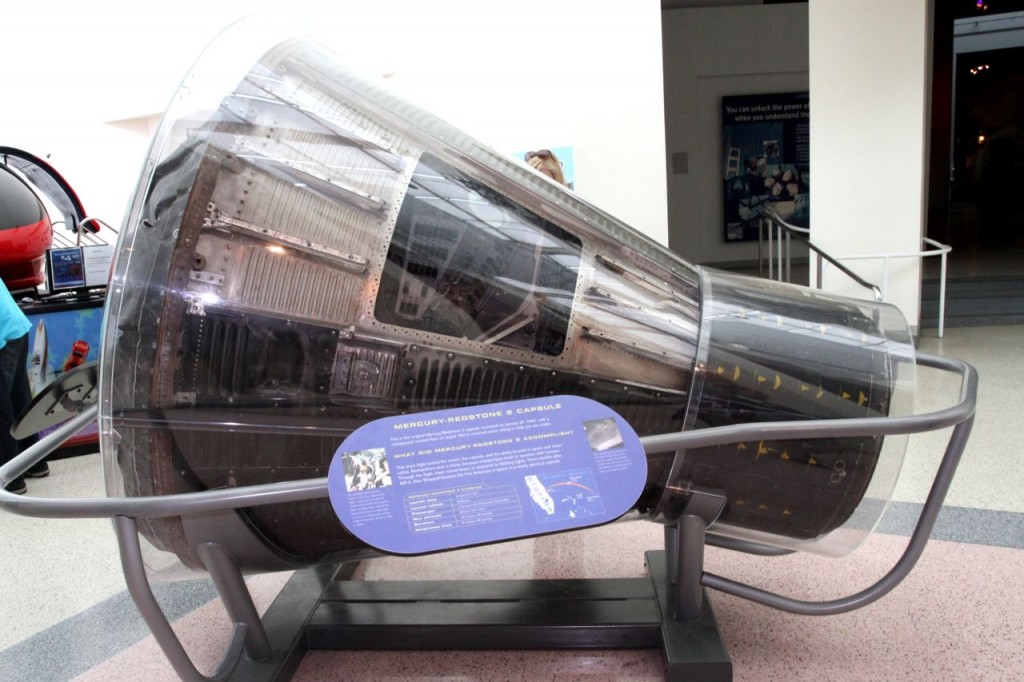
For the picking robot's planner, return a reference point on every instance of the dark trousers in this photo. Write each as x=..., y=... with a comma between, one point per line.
x=15, y=395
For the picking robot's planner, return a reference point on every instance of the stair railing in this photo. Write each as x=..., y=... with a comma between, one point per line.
x=780, y=233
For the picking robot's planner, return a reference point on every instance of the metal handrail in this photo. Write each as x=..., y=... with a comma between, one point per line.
x=82, y=235
x=248, y=634
x=941, y=250
x=793, y=232
x=798, y=233
x=158, y=506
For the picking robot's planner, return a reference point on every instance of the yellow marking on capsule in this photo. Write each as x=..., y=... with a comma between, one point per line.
x=786, y=512
x=736, y=373
x=846, y=395
x=862, y=399
x=804, y=388
x=741, y=502
x=761, y=379
x=762, y=507
x=720, y=370
x=741, y=446
x=778, y=382
x=785, y=455
x=820, y=393
x=812, y=461
x=761, y=450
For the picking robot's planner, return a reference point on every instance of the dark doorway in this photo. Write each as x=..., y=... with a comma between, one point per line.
x=976, y=169
x=976, y=190
x=988, y=146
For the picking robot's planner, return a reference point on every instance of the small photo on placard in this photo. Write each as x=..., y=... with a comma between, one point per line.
x=433, y=481
x=366, y=469
x=603, y=434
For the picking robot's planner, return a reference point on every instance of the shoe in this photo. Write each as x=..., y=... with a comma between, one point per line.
x=40, y=470
x=17, y=486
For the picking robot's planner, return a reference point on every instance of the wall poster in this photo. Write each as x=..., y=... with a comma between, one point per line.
x=766, y=160
x=63, y=336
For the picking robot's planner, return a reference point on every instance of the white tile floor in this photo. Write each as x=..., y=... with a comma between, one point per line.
x=65, y=614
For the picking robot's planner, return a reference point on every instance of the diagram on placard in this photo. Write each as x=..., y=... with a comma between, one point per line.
x=564, y=495
x=539, y=495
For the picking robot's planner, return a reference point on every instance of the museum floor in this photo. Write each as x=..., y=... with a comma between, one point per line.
x=65, y=613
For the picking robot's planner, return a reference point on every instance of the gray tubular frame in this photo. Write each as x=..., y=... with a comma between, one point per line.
x=248, y=634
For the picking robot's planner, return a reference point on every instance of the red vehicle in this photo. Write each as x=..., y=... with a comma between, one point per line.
x=25, y=233
x=79, y=351
x=26, y=230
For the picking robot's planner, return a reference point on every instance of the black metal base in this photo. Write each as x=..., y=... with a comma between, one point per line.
x=691, y=649
x=323, y=609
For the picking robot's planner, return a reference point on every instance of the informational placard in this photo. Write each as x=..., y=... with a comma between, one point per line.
x=98, y=260
x=468, y=476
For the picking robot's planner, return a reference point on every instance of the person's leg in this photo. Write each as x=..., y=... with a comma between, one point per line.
x=15, y=395
x=8, y=445
x=21, y=396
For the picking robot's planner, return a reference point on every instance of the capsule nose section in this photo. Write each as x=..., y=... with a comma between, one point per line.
x=777, y=353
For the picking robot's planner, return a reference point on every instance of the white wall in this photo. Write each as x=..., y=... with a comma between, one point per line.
x=869, y=66
x=865, y=63
x=711, y=52
x=94, y=76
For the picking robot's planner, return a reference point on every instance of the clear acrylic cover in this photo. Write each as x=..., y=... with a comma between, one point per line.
x=306, y=252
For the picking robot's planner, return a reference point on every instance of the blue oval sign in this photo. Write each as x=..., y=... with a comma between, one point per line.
x=432, y=481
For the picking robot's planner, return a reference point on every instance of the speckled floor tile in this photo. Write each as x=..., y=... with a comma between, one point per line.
x=956, y=617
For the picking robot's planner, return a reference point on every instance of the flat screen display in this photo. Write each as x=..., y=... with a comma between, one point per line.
x=67, y=268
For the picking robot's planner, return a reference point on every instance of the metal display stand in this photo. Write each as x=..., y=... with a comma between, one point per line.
x=322, y=608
